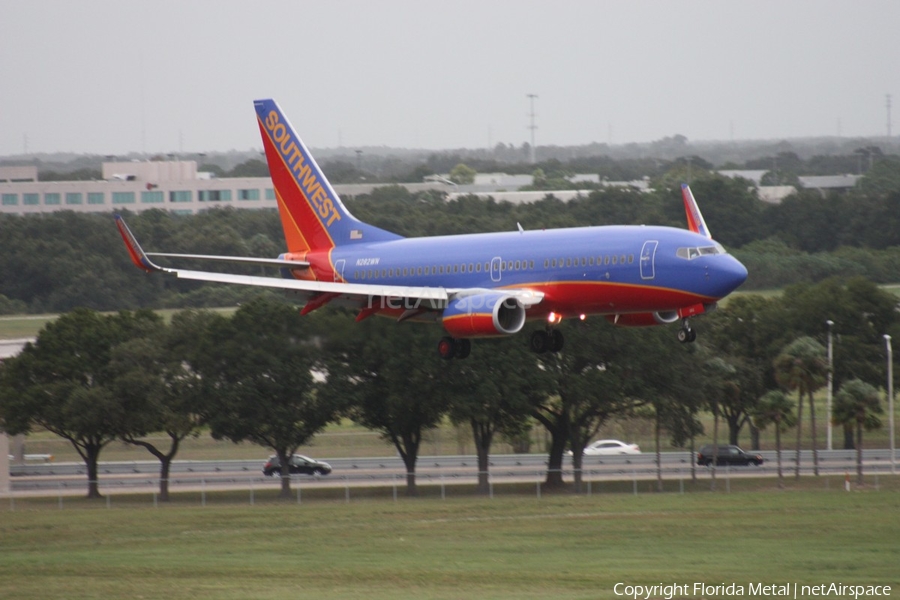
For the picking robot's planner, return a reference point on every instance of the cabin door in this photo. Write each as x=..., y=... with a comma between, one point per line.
x=648, y=259
x=496, y=266
x=339, y=269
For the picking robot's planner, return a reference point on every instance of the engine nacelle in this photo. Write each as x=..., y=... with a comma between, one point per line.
x=644, y=319
x=489, y=314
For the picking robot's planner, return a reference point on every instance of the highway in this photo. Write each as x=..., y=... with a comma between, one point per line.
x=70, y=478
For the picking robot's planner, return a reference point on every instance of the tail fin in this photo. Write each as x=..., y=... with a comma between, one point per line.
x=312, y=215
x=694, y=218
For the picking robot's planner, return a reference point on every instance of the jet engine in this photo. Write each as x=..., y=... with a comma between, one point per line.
x=489, y=314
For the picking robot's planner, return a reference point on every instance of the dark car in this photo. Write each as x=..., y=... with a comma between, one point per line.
x=727, y=455
x=299, y=464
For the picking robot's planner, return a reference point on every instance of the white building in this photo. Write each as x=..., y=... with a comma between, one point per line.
x=135, y=186
x=176, y=186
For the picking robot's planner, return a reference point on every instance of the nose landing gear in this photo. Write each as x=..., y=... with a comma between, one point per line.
x=686, y=335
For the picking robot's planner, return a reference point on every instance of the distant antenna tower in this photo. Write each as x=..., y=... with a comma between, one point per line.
x=532, y=127
x=888, y=106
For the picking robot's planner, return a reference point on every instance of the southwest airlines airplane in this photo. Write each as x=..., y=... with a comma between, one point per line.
x=475, y=285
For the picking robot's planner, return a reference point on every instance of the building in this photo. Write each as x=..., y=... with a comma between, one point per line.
x=135, y=186
x=829, y=183
x=176, y=186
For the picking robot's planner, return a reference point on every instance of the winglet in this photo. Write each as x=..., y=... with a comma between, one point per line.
x=694, y=218
x=137, y=254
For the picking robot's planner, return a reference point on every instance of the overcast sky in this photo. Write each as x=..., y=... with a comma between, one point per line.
x=110, y=77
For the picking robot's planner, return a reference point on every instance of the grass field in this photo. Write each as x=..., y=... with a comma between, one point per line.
x=509, y=547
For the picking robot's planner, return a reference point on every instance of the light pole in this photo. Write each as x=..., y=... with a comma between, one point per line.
x=830, y=324
x=890, y=390
x=532, y=127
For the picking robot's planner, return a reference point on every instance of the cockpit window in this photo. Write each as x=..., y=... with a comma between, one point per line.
x=692, y=253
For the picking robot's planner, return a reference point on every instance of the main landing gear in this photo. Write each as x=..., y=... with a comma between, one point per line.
x=686, y=335
x=450, y=347
x=549, y=340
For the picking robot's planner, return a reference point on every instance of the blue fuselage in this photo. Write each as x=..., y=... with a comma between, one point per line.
x=585, y=270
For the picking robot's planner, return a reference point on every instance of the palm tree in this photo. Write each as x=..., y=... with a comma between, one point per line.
x=802, y=366
x=775, y=408
x=858, y=403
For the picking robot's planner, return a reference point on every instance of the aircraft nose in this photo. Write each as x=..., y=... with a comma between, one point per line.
x=726, y=275
x=733, y=274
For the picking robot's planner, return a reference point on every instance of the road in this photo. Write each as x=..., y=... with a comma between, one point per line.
x=389, y=471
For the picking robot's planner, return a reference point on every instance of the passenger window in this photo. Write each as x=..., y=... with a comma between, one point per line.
x=531, y=264
x=614, y=259
x=606, y=260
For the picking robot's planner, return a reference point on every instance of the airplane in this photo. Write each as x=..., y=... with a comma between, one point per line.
x=476, y=285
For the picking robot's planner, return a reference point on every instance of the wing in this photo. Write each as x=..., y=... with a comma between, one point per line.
x=320, y=292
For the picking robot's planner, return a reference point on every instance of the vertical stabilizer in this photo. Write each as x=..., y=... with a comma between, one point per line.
x=313, y=216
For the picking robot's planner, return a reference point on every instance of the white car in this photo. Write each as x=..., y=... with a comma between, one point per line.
x=607, y=447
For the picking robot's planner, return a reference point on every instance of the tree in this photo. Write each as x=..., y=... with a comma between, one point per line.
x=774, y=408
x=717, y=383
x=802, y=366
x=462, y=174
x=391, y=381
x=659, y=374
x=61, y=382
x=159, y=389
x=585, y=390
x=858, y=403
x=883, y=177
x=259, y=368
x=497, y=395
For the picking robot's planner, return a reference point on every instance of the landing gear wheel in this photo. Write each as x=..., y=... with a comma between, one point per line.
x=557, y=341
x=463, y=348
x=447, y=347
x=539, y=342
x=686, y=335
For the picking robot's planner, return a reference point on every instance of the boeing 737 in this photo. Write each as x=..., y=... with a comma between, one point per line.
x=475, y=285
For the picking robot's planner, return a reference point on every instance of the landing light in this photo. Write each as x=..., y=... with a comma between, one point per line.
x=582, y=316
x=554, y=318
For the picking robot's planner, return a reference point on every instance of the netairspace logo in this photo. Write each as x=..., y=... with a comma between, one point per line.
x=724, y=590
